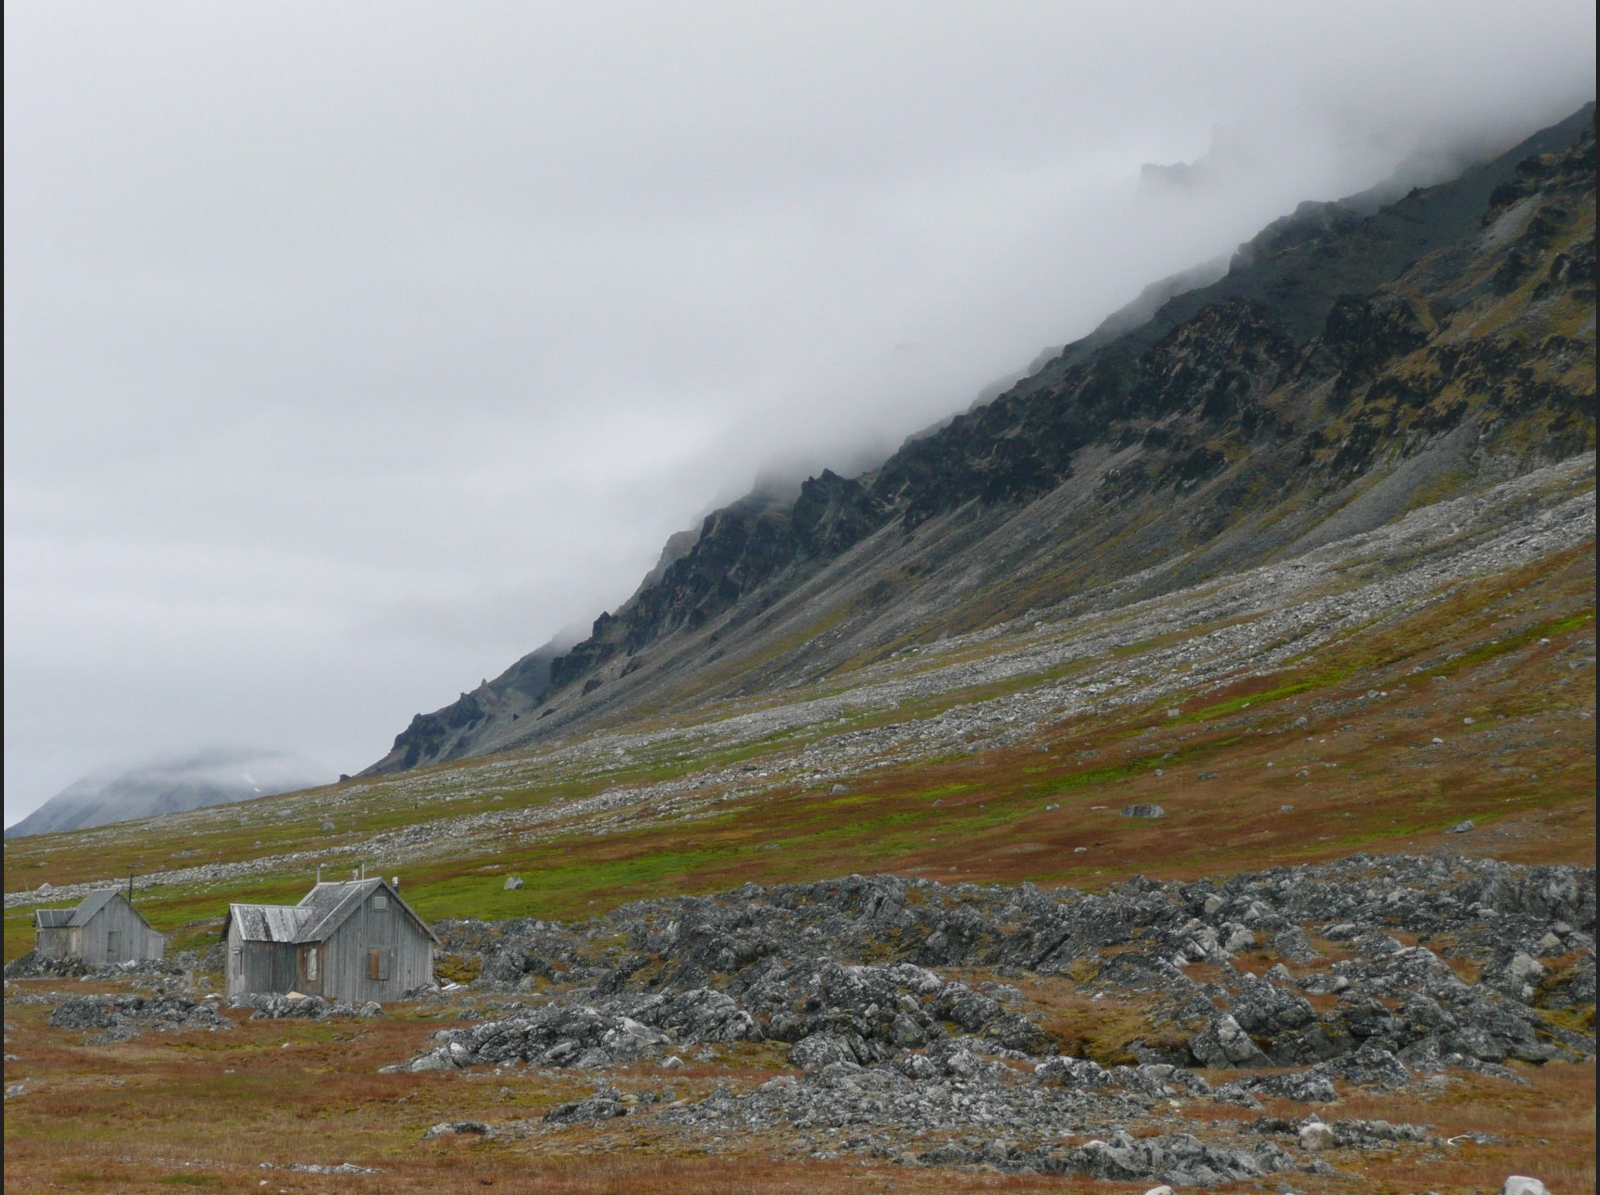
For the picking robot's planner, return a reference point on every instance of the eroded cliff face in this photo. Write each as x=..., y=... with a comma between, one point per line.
x=1354, y=362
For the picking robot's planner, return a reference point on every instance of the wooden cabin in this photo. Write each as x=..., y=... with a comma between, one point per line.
x=355, y=940
x=104, y=928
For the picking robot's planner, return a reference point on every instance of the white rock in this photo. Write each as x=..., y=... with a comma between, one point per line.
x=1317, y=1135
x=1521, y=1184
x=1239, y=939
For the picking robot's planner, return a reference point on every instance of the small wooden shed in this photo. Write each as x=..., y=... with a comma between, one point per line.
x=104, y=928
x=355, y=940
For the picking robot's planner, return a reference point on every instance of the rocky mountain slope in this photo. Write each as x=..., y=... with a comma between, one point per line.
x=209, y=778
x=1354, y=363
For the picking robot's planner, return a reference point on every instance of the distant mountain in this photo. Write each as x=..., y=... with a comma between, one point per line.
x=1355, y=360
x=208, y=778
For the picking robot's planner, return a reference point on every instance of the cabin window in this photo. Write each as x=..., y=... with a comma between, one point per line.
x=311, y=965
x=380, y=902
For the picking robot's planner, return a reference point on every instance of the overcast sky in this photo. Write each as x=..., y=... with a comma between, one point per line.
x=354, y=349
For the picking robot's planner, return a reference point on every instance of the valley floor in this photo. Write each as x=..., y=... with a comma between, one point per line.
x=1383, y=1024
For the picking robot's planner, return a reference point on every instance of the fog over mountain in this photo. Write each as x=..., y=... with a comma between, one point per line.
x=351, y=352
x=215, y=777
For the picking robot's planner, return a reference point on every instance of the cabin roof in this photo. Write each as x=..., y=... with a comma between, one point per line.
x=268, y=923
x=321, y=911
x=87, y=908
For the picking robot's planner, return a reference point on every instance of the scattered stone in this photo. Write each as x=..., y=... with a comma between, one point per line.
x=1223, y=1044
x=1317, y=1136
x=898, y=1061
x=1520, y=1184
x=1462, y=827
x=456, y=1128
x=1144, y=811
x=604, y=1104
x=277, y=1005
x=119, y=1018
x=32, y=965
x=513, y=883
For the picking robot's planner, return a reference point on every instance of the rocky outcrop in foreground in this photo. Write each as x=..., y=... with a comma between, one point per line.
x=1093, y=1011
x=120, y=1017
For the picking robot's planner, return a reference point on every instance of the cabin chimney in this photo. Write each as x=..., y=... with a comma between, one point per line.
x=319, y=873
x=130, y=887
x=396, y=882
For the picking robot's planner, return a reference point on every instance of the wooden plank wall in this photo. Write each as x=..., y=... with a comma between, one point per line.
x=57, y=942
x=406, y=959
x=133, y=935
x=259, y=966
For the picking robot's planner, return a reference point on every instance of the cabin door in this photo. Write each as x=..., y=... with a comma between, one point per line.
x=308, y=971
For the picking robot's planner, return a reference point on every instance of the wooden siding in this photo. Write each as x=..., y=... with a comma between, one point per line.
x=405, y=954
x=259, y=966
x=58, y=942
x=344, y=960
x=113, y=933
x=117, y=934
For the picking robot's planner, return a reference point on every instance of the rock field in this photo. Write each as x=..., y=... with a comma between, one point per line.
x=1296, y=983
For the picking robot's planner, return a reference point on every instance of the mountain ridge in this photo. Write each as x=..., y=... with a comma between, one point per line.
x=1351, y=360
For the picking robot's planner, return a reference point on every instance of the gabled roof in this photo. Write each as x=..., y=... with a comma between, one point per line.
x=87, y=908
x=321, y=911
x=92, y=904
x=337, y=900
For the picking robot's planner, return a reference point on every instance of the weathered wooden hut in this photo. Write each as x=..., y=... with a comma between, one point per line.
x=104, y=928
x=355, y=941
